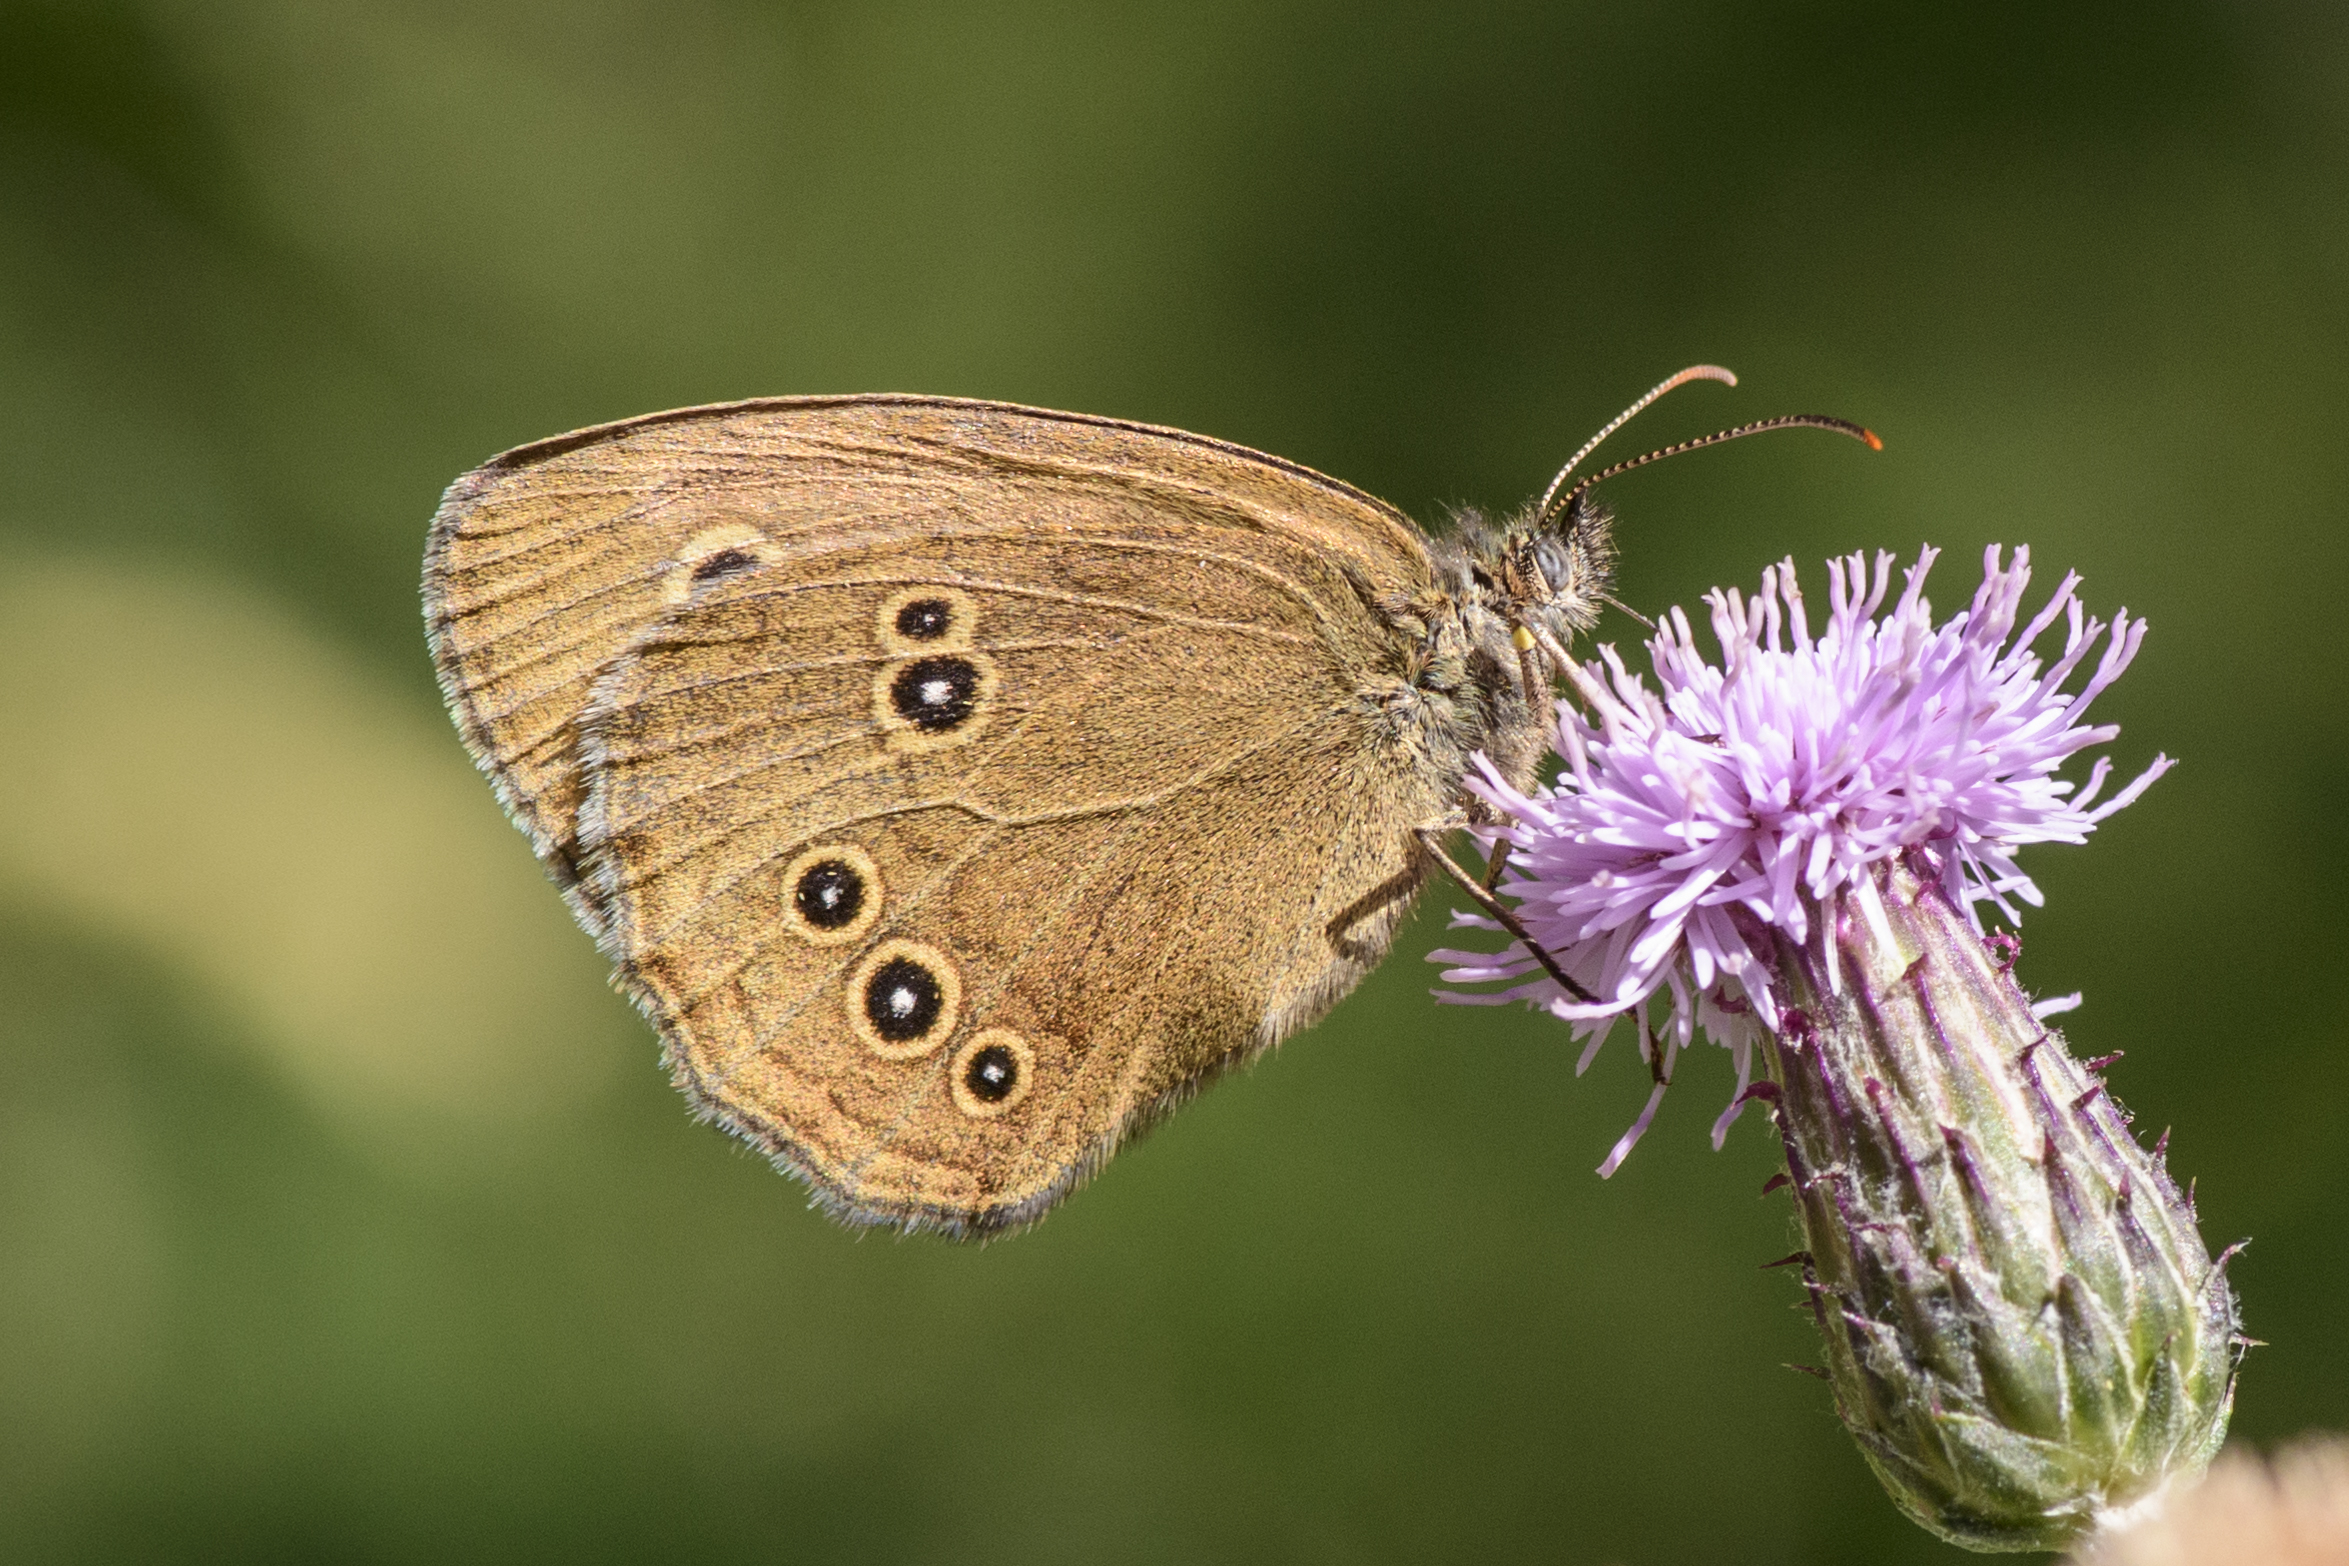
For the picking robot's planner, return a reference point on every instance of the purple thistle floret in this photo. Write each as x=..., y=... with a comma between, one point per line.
x=1693, y=819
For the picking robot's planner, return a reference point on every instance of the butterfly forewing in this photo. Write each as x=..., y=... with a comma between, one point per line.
x=547, y=562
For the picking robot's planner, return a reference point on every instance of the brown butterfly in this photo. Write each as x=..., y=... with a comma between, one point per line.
x=959, y=786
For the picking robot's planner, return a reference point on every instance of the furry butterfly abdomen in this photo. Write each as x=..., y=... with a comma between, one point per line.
x=956, y=786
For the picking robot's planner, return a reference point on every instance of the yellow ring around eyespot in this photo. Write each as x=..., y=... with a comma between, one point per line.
x=868, y=875
x=938, y=966
x=962, y=620
x=902, y=734
x=957, y=1074
x=679, y=584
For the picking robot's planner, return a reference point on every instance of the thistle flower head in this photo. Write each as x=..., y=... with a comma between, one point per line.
x=2024, y=1331
x=1734, y=799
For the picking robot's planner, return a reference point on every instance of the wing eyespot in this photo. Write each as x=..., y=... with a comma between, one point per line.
x=831, y=894
x=904, y=999
x=935, y=701
x=992, y=1073
x=927, y=619
x=712, y=556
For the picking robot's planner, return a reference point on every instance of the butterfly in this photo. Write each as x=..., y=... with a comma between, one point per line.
x=959, y=786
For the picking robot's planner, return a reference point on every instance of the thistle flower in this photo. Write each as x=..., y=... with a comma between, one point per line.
x=1792, y=851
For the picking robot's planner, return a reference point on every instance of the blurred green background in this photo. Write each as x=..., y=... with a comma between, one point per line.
x=345, y=1214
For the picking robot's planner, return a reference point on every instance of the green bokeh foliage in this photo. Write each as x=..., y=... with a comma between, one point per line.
x=272, y=273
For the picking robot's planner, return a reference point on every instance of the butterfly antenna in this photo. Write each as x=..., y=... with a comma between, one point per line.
x=1695, y=372
x=1610, y=598
x=1789, y=421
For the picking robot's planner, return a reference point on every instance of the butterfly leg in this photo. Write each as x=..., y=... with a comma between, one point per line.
x=1530, y=674
x=1559, y=657
x=1432, y=840
x=1659, y=1062
x=1394, y=889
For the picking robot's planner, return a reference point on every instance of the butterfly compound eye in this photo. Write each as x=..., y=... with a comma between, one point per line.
x=903, y=999
x=831, y=894
x=992, y=1073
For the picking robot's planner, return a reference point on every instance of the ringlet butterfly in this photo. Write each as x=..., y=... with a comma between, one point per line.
x=959, y=786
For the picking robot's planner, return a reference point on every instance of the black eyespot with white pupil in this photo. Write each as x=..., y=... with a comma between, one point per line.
x=829, y=894
x=925, y=619
x=992, y=1074
x=903, y=1000
x=935, y=693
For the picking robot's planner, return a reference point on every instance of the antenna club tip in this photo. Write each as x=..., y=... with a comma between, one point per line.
x=1874, y=440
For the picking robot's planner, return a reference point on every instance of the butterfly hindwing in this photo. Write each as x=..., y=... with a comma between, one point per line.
x=1115, y=865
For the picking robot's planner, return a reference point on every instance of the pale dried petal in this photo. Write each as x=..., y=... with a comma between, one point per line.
x=2290, y=1511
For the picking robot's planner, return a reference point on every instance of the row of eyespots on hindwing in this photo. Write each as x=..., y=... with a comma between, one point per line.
x=935, y=691
x=904, y=1000
x=904, y=997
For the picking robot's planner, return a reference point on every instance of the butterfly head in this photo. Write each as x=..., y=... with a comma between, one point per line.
x=1518, y=591
x=1558, y=568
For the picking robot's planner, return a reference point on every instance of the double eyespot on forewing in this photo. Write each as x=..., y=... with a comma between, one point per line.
x=951, y=826
x=547, y=562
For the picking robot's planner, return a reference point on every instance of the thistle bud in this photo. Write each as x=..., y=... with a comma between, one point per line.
x=2022, y=1326
x=1789, y=850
